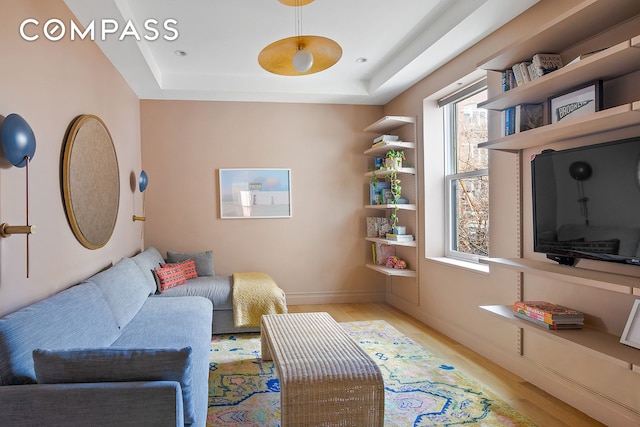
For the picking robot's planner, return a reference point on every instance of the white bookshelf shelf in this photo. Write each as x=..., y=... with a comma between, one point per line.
x=597, y=279
x=384, y=171
x=552, y=36
x=401, y=206
x=411, y=243
x=613, y=62
x=404, y=272
x=602, y=121
x=592, y=341
x=382, y=148
x=388, y=123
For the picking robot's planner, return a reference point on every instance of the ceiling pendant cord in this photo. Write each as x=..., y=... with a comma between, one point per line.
x=302, y=59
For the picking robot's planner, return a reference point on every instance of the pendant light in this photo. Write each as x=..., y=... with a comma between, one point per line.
x=300, y=54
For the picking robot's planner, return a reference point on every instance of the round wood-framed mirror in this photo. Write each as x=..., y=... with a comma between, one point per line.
x=90, y=181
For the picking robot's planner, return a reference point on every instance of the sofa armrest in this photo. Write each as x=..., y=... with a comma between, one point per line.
x=156, y=403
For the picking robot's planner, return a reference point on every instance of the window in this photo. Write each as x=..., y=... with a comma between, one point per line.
x=466, y=175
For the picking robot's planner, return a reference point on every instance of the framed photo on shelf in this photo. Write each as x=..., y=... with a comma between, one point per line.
x=580, y=101
x=631, y=334
x=254, y=193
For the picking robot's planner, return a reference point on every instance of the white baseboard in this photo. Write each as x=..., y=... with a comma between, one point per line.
x=348, y=297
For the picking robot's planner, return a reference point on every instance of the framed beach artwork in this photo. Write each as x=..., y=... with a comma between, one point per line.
x=254, y=193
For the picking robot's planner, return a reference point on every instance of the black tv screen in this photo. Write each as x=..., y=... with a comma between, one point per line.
x=586, y=202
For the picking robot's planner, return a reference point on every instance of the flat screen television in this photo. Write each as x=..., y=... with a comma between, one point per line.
x=586, y=202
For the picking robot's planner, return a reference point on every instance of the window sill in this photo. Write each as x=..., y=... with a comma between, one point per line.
x=466, y=265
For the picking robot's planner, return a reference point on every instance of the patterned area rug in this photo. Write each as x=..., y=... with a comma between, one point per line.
x=420, y=390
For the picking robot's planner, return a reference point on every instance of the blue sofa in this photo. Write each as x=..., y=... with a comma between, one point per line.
x=216, y=288
x=107, y=352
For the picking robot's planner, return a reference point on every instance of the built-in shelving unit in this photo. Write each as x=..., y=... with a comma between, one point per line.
x=408, y=249
x=594, y=342
x=609, y=24
x=625, y=56
x=610, y=63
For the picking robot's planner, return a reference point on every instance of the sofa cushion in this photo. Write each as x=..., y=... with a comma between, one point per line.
x=147, y=261
x=216, y=289
x=176, y=322
x=124, y=288
x=188, y=268
x=204, y=261
x=116, y=365
x=76, y=317
x=169, y=276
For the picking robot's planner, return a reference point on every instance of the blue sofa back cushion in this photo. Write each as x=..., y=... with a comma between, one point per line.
x=76, y=317
x=123, y=286
x=204, y=261
x=97, y=365
x=147, y=261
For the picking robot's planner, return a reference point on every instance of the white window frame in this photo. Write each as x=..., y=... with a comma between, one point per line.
x=451, y=178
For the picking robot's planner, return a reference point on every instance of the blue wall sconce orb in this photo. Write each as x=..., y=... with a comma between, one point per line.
x=18, y=140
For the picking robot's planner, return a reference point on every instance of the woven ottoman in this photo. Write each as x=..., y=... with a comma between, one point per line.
x=326, y=378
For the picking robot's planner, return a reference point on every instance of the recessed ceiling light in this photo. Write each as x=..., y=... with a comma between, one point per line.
x=361, y=60
x=181, y=53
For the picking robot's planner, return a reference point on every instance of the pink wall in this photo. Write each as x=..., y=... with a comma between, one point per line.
x=318, y=254
x=49, y=83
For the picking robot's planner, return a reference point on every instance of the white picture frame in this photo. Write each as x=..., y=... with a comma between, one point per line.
x=577, y=102
x=254, y=193
x=631, y=334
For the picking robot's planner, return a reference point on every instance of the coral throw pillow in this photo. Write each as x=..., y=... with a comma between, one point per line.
x=170, y=277
x=188, y=268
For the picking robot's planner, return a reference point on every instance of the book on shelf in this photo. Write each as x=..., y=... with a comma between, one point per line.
x=545, y=63
x=378, y=227
x=376, y=192
x=528, y=116
x=383, y=253
x=553, y=327
x=400, y=237
x=517, y=74
x=522, y=118
x=524, y=69
x=508, y=121
x=385, y=138
x=585, y=55
x=549, y=312
x=533, y=72
x=508, y=81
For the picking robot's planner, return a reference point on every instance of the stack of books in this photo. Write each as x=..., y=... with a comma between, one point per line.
x=400, y=237
x=548, y=315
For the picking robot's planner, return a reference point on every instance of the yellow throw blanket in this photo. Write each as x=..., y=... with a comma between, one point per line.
x=255, y=294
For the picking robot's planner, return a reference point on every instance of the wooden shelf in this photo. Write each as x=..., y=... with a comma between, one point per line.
x=384, y=171
x=553, y=36
x=613, y=62
x=392, y=271
x=383, y=147
x=389, y=123
x=596, y=279
x=391, y=242
x=401, y=206
x=594, y=342
x=602, y=121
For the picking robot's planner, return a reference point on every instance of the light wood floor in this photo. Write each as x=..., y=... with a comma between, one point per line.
x=541, y=407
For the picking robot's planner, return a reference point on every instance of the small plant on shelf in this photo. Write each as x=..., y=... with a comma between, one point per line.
x=393, y=163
